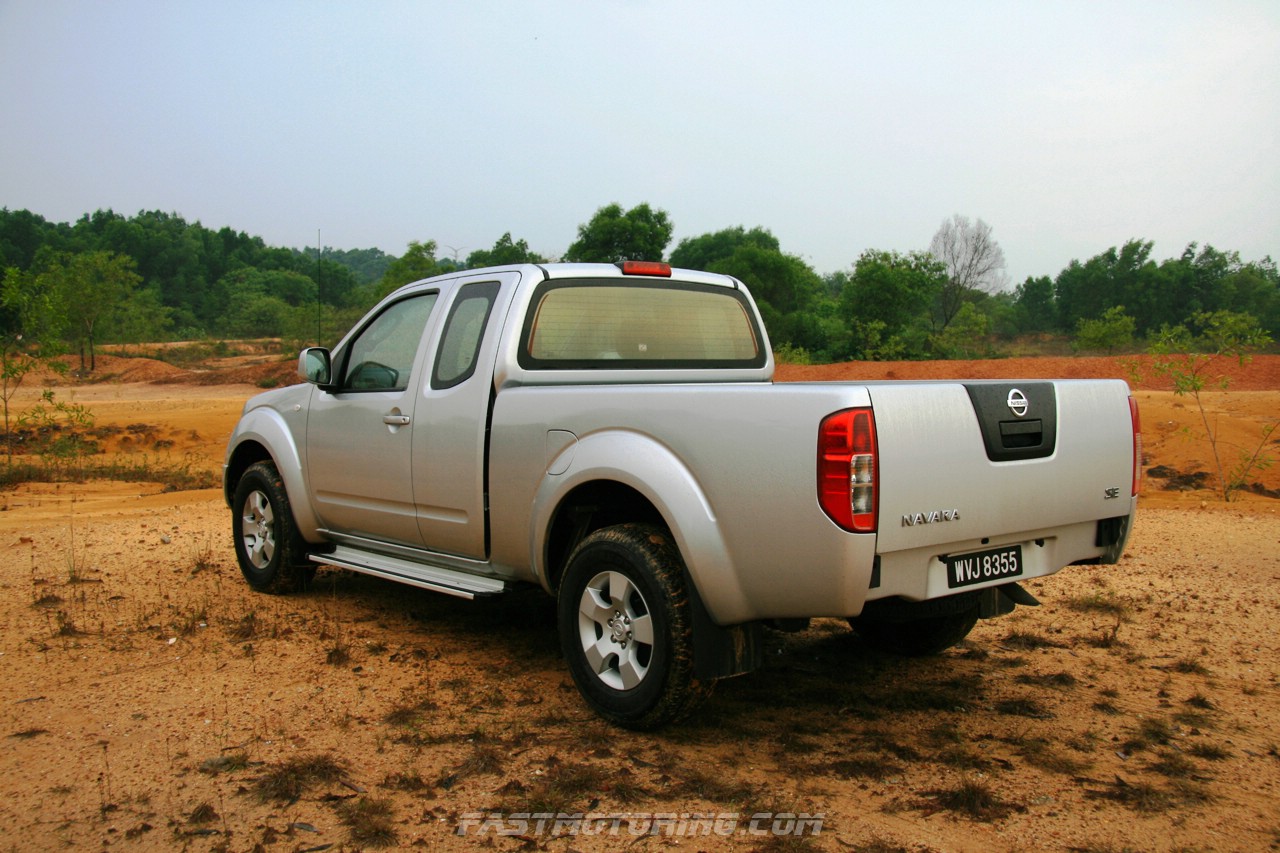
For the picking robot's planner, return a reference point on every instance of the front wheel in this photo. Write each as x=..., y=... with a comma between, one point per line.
x=626, y=628
x=271, y=553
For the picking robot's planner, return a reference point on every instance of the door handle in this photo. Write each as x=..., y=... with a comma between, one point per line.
x=395, y=420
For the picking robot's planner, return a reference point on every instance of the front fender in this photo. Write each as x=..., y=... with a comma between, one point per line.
x=268, y=429
x=650, y=468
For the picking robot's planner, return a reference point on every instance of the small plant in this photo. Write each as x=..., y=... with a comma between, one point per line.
x=66, y=628
x=787, y=353
x=484, y=760
x=1041, y=753
x=561, y=789
x=1027, y=641
x=1052, y=679
x=203, y=559
x=1107, y=638
x=1173, y=764
x=369, y=821
x=973, y=799
x=203, y=813
x=1186, y=360
x=1151, y=731
x=57, y=429
x=409, y=781
x=1188, y=666
x=1105, y=603
x=1210, y=751
x=228, y=763
x=864, y=767
x=289, y=781
x=1023, y=707
x=245, y=628
x=339, y=654
x=1139, y=796
x=715, y=787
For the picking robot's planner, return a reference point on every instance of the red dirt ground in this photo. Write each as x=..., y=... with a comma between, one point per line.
x=146, y=695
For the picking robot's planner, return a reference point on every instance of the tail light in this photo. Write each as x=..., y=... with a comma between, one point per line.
x=847, y=469
x=1137, y=446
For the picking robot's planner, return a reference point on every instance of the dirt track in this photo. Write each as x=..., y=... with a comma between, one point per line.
x=147, y=695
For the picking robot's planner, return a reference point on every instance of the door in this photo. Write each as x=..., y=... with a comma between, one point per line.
x=359, y=446
x=450, y=446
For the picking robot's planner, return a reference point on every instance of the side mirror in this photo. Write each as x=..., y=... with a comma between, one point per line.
x=315, y=366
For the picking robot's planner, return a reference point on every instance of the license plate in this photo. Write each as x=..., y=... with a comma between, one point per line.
x=983, y=566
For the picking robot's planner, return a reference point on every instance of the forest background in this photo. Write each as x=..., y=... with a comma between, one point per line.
x=154, y=277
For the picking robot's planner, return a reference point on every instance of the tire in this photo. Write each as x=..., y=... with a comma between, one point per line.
x=271, y=552
x=915, y=638
x=626, y=627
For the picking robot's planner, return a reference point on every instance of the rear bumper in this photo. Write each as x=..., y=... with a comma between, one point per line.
x=921, y=574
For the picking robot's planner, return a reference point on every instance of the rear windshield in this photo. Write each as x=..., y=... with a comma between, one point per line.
x=638, y=325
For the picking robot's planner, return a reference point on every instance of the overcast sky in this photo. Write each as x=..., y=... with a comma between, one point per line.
x=839, y=126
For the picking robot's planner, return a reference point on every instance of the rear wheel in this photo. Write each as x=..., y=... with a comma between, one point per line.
x=626, y=628
x=271, y=553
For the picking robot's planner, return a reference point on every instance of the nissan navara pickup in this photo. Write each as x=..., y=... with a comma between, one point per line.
x=612, y=434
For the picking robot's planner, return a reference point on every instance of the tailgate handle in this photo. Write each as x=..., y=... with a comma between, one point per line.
x=1021, y=433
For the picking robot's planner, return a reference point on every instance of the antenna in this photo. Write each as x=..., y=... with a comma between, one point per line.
x=319, y=273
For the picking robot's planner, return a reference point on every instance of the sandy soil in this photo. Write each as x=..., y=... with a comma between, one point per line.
x=149, y=700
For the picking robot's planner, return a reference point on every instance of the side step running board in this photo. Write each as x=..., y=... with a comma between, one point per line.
x=422, y=576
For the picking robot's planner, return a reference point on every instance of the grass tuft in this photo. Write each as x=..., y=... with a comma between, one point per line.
x=1028, y=641
x=973, y=799
x=1151, y=731
x=369, y=821
x=290, y=780
x=1104, y=603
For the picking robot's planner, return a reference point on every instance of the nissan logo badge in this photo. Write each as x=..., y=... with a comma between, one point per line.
x=1017, y=402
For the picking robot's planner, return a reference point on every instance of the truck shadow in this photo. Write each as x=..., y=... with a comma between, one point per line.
x=821, y=673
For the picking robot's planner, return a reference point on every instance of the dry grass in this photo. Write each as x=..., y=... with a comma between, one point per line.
x=974, y=799
x=288, y=781
x=369, y=821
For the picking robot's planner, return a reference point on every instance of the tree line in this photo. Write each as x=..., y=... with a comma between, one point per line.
x=154, y=276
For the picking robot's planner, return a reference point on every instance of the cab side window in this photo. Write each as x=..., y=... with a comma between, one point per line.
x=463, y=333
x=381, y=356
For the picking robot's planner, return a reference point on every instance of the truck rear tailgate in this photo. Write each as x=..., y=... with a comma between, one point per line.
x=1051, y=460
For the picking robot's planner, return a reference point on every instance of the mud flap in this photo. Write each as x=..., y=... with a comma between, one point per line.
x=721, y=652
x=999, y=600
x=1113, y=534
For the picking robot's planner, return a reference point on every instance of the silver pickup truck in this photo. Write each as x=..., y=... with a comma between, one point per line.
x=612, y=433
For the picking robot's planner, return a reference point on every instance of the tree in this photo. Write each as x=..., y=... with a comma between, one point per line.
x=33, y=322
x=701, y=252
x=1125, y=276
x=793, y=298
x=417, y=263
x=22, y=234
x=504, y=251
x=965, y=337
x=260, y=301
x=90, y=287
x=1113, y=330
x=974, y=263
x=612, y=235
x=887, y=299
x=1034, y=307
